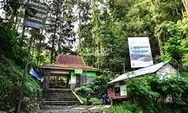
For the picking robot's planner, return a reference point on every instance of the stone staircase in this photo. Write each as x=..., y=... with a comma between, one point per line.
x=60, y=97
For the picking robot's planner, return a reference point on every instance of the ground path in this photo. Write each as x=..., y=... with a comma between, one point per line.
x=76, y=109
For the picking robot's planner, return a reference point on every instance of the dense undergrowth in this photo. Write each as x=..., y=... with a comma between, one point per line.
x=12, y=61
x=83, y=91
x=150, y=94
x=97, y=88
x=10, y=86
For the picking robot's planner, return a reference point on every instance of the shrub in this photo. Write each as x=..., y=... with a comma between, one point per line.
x=161, y=94
x=126, y=107
x=10, y=82
x=99, y=85
x=83, y=90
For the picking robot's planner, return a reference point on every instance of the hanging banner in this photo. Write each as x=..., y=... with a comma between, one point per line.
x=140, y=52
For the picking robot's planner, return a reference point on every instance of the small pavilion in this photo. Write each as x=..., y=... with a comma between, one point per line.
x=69, y=71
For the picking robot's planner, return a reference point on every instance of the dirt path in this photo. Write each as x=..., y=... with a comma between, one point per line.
x=77, y=109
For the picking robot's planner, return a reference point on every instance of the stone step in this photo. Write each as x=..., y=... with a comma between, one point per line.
x=62, y=103
x=60, y=99
x=59, y=95
x=57, y=107
x=65, y=96
x=58, y=90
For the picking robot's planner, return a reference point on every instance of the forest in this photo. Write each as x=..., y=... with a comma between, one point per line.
x=98, y=31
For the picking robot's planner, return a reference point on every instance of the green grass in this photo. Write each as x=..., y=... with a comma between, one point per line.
x=126, y=107
x=2, y=112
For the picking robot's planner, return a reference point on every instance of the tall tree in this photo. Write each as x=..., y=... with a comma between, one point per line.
x=61, y=27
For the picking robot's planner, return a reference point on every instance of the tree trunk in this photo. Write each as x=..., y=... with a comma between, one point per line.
x=38, y=53
x=160, y=43
x=53, y=40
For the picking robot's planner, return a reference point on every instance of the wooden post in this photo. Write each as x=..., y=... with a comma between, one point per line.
x=24, y=77
x=26, y=66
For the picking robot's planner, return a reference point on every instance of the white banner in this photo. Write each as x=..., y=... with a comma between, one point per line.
x=140, y=52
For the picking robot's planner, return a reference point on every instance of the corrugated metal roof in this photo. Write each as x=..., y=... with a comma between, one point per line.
x=139, y=72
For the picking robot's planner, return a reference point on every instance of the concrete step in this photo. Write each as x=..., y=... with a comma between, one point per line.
x=60, y=99
x=58, y=90
x=65, y=95
x=62, y=103
x=60, y=95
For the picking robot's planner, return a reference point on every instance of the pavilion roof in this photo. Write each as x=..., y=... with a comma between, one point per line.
x=69, y=62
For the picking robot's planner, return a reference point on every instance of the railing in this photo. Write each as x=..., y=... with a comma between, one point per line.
x=77, y=97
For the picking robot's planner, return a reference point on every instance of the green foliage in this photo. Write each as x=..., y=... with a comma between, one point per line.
x=9, y=45
x=61, y=27
x=126, y=107
x=99, y=86
x=83, y=90
x=111, y=25
x=10, y=82
x=139, y=88
x=177, y=44
x=150, y=94
x=161, y=93
x=95, y=101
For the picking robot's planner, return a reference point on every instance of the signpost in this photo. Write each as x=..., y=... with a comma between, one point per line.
x=37, y=20
x=35, y=17
x=140, y=52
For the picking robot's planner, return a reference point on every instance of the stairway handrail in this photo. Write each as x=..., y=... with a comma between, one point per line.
x=77, y=97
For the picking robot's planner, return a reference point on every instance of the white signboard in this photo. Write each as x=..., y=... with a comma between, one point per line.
x=78, y=71
x=73, y=80
x=123, y=90
x=140, y=52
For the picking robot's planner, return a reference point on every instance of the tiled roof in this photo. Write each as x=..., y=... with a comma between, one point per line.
x=69, y=62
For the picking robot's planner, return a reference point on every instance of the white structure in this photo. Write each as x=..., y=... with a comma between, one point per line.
x=161, y=69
